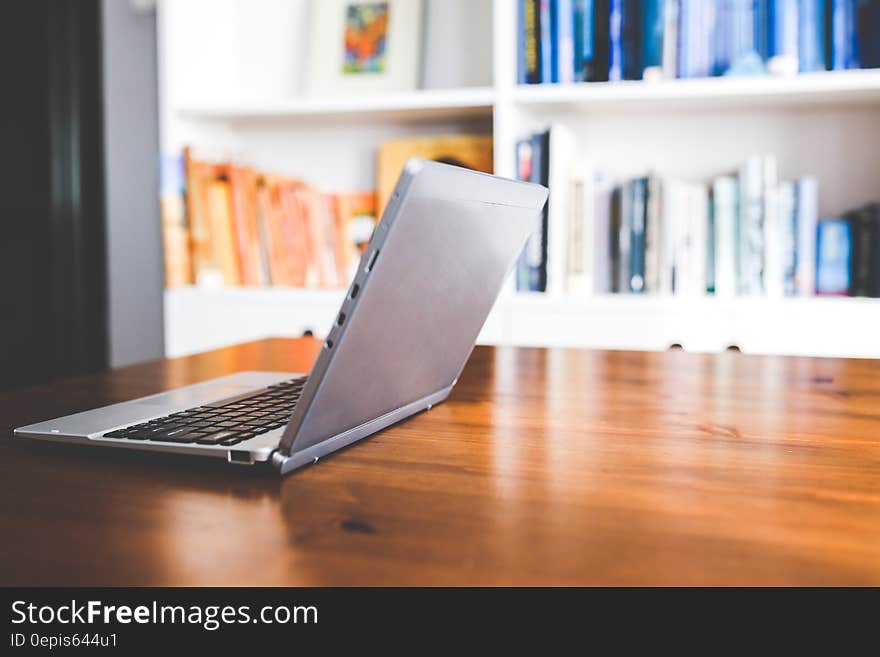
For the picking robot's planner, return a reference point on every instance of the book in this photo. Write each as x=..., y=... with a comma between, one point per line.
x=597, y=41
x=807, y=215
x=531, y=269
x=863, y=229
x=868, y=34
x=175, y=230
x=582, y=27
x=696, y=239
x=219, y=207
x=547, y=32
x=653, y=21
x=695, y=38
x=725, y=210
x=638, y=190
x=580, y=237
x=875, y=252
x=564, y=61
x=757, y=180
x=243, y=189
x=740, y=32
x=471, y=151
x=670, y=38
x=631, y=39
x=615, y=41
x=356, y=217
x=811, y=35
x=786, y=211
x=843, y=35
x=783, y=37
x=560, y=161
x=620, y=240
x=529, y=46
x=206, y=270
x=833, y=257
x=653, y=234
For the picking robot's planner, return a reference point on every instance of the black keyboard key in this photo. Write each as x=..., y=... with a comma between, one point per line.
x=216, y=437
x=147, y=433
x=176, y=434
x=190, y=437
x=119, y=433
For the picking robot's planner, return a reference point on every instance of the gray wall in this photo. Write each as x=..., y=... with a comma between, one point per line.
x=131, y=145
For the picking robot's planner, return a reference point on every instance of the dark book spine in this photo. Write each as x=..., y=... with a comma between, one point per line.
x=541, y=175
x=875, y=250
x=862, y=228
x=869, y=34
x=531, y=42
x=597, y=65
x=631, y=29
x=624, y=238
x=614, y=239
x=638, y=206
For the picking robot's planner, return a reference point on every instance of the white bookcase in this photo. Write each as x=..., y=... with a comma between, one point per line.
x=231, y=74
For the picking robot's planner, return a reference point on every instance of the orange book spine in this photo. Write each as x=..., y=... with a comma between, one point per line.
x=243, y=185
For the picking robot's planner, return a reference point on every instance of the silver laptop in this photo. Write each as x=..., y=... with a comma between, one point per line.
x=433, y=269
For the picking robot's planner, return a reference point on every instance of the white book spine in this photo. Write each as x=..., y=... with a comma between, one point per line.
x=807, y=213
x=772, y=226
x=603, y=188
x=561, y=156
x=581, y=246
x=725, y=200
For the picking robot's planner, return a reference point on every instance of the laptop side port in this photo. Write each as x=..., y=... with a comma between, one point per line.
x=240, y=457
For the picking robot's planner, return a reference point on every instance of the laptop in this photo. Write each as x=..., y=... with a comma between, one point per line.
x=434, y=266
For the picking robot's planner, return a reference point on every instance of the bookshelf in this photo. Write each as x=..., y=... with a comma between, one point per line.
x=423, y=105
x=825, y=124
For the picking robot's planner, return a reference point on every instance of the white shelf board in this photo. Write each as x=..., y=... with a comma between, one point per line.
x=860, y=86
x=426, y=104
x=198, y=319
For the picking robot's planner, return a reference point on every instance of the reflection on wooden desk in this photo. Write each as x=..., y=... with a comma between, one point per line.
x=548, y=467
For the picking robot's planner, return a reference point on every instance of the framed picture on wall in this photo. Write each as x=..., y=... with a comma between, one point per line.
x=362, y=47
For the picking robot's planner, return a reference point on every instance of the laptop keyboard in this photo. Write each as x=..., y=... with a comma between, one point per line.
x=226, y=422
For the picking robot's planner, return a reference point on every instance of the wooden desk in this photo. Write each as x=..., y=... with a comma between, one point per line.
x=544, y=467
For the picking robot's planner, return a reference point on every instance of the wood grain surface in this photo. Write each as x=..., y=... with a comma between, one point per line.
x=545, y=467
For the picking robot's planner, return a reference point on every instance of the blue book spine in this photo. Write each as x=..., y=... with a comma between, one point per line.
x=652, y=34
x=581, y=49
x=723, y=37
x=783, y=31
x=615, y=41
x=639, y=189
x=763, y=35
x=548, y=51
x=833, y=257
x=844, y=46
x=811, y=35
x=707, y=38
x=682, y=58
x=739, y=30
x=565, y=44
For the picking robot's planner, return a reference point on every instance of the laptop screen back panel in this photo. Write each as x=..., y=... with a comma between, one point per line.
x=426, y=284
